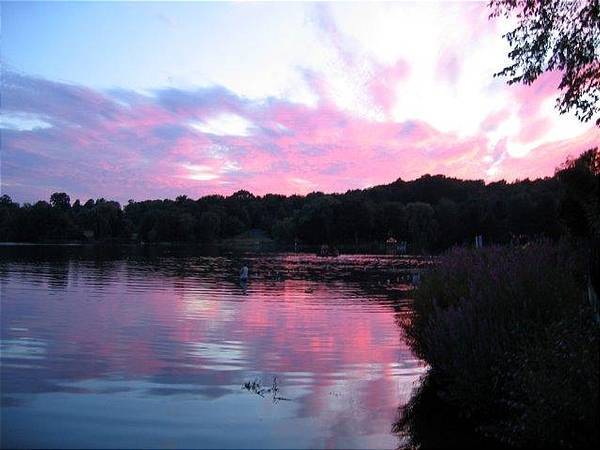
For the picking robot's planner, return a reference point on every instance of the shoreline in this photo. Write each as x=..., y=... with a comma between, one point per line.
x=248, y=246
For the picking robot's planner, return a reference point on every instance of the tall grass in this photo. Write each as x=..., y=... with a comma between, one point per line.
x=511, y=342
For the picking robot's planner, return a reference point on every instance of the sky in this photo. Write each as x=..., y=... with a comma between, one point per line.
x=134, y=100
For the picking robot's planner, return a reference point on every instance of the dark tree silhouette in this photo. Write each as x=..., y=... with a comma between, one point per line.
x=562, y=35
x=430, y=213
x=581, y=179
x=580, y=207
x=60, y=200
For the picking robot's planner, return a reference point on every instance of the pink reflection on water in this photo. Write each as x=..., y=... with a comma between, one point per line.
x=337, y=353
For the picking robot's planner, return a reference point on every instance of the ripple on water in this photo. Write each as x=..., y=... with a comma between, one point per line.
x=139, y=350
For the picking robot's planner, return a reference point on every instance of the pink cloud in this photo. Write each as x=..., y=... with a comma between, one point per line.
x=340, y=42
x=534, y=130
x=543, y=160
x=125, y=145
x=530, y=97
x=448, y=66
x=494, y=119
x=383, y=84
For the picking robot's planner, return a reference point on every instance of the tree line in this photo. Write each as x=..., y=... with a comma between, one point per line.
x=431, y=213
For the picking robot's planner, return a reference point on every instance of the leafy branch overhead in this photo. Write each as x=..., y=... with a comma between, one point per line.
x=556, y=35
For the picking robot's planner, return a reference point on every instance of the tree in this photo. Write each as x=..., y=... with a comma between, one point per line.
x=562, y=35
x=432, y=213
x=393, y=220
x=5, y=200
x=353, y=219
x=285, y=230
x=108, y=219
x=580, y=209
x=447, y=216
x=232, y=226
x=315, y=221
x=421, y=224
x=210, y=226
x=60, y=200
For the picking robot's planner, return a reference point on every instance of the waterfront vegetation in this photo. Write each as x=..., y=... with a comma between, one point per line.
x=511, y=335
x=431, y=213
x=512, y=344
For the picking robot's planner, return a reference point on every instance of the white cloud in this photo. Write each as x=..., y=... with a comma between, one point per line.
x=200, y=173
x=302, y=182
x=22, y=122
x=225, y=124
x=230, y=166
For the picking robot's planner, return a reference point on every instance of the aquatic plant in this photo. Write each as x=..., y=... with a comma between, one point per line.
x=257, y=388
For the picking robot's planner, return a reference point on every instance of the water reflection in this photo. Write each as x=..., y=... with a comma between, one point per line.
x=151, y=348
x=427, y=421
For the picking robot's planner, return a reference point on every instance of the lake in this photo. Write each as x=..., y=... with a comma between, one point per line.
x=163, y=347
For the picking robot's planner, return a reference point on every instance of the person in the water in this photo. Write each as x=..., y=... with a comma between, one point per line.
x=244, y=273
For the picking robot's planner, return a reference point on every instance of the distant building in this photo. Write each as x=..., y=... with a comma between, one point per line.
x=89, y=234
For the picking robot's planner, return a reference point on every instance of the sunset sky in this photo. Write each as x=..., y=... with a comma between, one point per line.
x=153, y=100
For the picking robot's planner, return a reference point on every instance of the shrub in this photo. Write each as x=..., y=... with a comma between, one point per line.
x=511, y=341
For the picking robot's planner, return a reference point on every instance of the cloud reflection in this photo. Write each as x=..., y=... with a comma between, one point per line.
x=166, y=330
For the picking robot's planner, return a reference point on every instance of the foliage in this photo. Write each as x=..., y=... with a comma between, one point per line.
x=556, y=35
x=60, y=200
x=581, y=206
x=510, y=338
x=421, y=224
x=430, y=213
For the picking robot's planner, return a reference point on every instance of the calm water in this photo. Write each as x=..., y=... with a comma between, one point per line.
x=151, y=348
